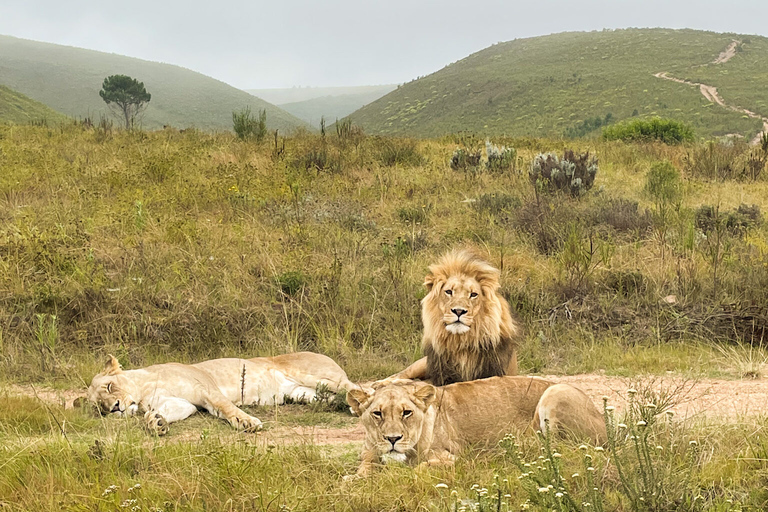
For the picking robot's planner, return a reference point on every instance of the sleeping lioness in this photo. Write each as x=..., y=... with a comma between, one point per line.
x=415, y=422
x=170, y=392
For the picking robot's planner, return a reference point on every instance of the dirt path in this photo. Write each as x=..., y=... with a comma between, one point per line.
x=716, y=399
x=711, y=94
x=728, y=53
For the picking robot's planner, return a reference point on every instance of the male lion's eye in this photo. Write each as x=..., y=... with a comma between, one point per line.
x=472, y=295
x=376, y=414
x=448, y=292
x=407, y=413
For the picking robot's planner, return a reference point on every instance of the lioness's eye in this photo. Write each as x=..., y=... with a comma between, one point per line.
x=448, y=292
x=407, y=413
x=109, y=387
x=472, y=295
x=376, y=414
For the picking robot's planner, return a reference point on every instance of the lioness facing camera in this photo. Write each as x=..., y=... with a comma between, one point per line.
x=415, y=422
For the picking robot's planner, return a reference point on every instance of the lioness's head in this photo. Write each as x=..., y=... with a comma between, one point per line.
x=110, y=391
x=461, y=290
x=393, y=417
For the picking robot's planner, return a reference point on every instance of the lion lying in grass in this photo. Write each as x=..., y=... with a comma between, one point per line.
x=170, y=392
x=415, y=422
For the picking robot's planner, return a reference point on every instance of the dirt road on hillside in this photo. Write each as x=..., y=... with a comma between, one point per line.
x=711, y=94
x=714, y=399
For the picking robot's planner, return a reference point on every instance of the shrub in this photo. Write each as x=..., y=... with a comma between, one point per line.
x=405, y=152
x=496, y=203
x=574, y=173
x=667, y=131
x=463, y=159
x=291, y=282
x=726, y=160
x=500, y=159
x=588, y=125
x=623, y=215
x=246, y=125
x=735, y=222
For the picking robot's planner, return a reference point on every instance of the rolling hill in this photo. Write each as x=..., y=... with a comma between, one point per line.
x=19, y=109
x=312, y=103
x=68, y=79
x=563, y=83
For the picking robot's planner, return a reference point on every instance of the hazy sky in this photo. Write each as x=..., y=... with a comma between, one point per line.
x=285, y=43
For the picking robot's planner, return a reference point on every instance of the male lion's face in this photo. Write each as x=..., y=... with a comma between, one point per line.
x=460, y=298
x=393, y=417
x=109, y=390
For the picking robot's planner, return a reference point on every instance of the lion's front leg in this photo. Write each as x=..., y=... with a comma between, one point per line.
x=438, y=458
x=218, y=405
x=155, y=423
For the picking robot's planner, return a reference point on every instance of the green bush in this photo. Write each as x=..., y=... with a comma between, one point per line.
x=464, y=159
x=247, y=126
x=501, y=158
x=574, y=173
x=667, y=131
x=404, y=152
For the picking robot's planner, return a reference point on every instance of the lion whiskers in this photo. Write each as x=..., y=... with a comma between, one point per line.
x=457, y=328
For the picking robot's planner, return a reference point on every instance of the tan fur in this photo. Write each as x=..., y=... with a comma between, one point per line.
x=170, y=392
x=431, y=425
x=479, y=343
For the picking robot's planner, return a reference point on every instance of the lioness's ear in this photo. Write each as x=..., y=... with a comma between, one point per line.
x=425, y=394
x=358, y=401
x=112, y=367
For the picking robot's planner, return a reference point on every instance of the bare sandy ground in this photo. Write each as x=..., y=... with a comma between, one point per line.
x=728, y=53
x=715, y=399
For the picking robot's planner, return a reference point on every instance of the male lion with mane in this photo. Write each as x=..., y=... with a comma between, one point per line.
x=415, y=422
x=171, y=392
x=469, y=332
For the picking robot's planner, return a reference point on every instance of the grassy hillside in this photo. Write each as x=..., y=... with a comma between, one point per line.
x=69, y=79
x=546, y=86
x=299, y=94
x=19, y=109
x=331, y=107
x=171, y=246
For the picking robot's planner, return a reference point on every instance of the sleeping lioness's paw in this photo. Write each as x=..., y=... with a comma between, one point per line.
x=155, y=423
x=248, y=423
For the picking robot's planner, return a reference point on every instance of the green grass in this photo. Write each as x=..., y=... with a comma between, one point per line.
x=17, y=108
x=550, y=85
x=68, y=80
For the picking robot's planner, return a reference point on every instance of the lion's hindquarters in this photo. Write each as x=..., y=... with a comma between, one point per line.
x=566, y=410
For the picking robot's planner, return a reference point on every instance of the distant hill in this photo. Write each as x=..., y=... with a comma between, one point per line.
x=68, y=79
x=297, y=94
x=572, y=83
x=312, y=103
x=19, y=109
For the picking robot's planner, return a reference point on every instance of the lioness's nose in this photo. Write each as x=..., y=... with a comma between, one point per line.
x=393, y=439
x=458, y=312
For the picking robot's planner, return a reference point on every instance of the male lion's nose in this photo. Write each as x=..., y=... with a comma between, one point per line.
x=393, y=439
x=458, y=312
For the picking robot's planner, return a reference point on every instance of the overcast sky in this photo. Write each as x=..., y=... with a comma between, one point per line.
x=285, y=43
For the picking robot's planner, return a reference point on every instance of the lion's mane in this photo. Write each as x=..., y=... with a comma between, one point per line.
x=488, y=349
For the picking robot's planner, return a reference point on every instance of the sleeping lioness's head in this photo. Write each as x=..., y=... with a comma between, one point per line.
x=393, y=417
x=110, y=391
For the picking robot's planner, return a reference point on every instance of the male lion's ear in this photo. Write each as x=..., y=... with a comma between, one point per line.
x=426, y=394
x=358, y=401
x=112, y=367
x=429, y=282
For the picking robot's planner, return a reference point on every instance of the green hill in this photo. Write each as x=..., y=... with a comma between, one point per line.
x=331, y=107
x=69, y=79
x=561, y=84
x=17, y=108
